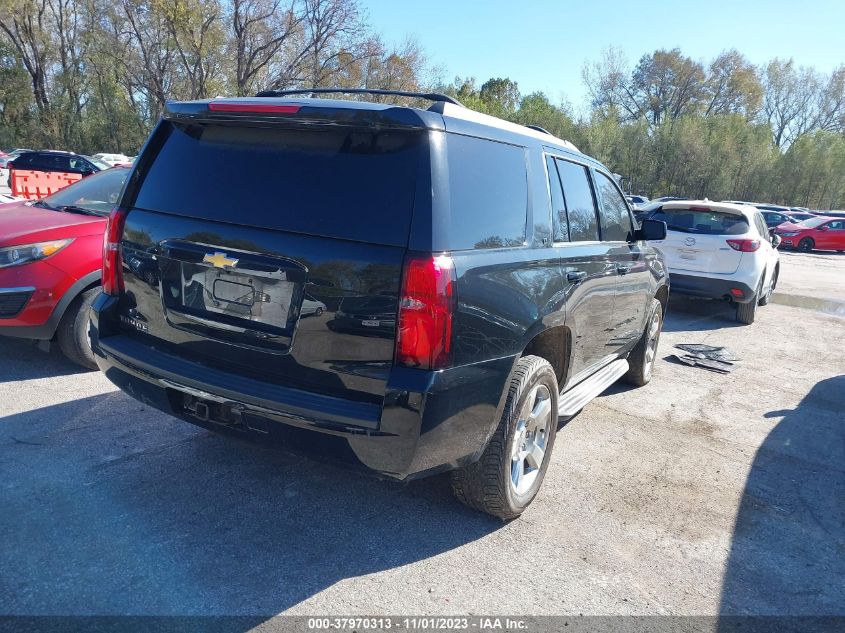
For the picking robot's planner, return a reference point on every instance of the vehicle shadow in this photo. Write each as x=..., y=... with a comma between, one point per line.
x=113, y=508
x=31, y=362
x=787, y=553
x=695, y=315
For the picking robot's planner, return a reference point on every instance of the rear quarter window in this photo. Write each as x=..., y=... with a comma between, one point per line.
x=488, y=193
x=703, y=222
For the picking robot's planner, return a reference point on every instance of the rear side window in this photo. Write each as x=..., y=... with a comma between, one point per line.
x=488, y=193
x=615, y=220
x=580, y=203
x=343, y=182
x=704, y=222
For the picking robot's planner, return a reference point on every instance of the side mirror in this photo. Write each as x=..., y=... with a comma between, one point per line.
x=824, y=227
x=651, y=230
x=87, y=172
x=776, y=240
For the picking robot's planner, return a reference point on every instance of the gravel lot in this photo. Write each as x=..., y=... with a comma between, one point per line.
x=698, y=494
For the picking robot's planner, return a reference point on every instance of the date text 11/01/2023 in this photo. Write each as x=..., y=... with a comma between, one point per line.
x=423, y=623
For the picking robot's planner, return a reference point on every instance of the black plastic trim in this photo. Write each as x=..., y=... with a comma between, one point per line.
x=281, y=400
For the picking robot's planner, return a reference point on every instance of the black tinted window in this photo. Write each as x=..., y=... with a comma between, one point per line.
x=702, y=221
x=580, y=204
x=488, y=193
x=346, y=183
x=615, y=219
x=561, y=226
x=24, y=161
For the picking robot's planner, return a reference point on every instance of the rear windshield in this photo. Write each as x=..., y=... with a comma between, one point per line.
x=704, y=222
x=342, y=182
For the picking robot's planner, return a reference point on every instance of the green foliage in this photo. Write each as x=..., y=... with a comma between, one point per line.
x=94, y=75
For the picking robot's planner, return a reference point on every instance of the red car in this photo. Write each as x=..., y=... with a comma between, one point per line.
x=824, y=234
x=51, y=253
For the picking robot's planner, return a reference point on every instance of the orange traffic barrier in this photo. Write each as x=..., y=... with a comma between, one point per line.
x=34, y=185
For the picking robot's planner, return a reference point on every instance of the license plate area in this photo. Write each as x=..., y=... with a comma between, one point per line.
x=246, y=299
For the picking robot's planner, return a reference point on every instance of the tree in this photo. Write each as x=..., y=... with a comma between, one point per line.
x=260, y=31
x=732, y=86
x=667, y=85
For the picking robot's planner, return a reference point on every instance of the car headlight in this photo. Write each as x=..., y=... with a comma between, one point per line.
x=26, y=253
x=789, y=234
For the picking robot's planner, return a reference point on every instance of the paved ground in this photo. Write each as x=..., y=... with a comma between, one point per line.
x=698, y=494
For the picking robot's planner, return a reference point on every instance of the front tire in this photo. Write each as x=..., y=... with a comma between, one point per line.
x=72, y=334
x=806, y=245
x=507, y=477
x=641, y=359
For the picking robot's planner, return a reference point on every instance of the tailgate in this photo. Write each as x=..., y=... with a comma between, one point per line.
x=245, y=240
x=700, y=253
x=697, y=238
x=262, y=304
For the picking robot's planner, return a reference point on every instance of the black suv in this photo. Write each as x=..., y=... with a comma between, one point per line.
x=406, y=289
x=52, y=160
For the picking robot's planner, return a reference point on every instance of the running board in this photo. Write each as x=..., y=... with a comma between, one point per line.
x=575, y=399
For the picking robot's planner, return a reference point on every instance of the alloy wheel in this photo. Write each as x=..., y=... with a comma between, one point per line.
x=530, y=439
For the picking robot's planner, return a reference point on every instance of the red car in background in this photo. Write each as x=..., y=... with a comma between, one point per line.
x=821, y=233
x=51, y=254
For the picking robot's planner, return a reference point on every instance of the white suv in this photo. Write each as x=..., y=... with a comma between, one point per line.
x=719, y=251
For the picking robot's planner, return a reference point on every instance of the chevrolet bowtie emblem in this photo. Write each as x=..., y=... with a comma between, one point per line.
x=219, y=260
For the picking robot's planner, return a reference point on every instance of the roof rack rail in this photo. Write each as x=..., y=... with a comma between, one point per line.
x=539, y=129
x=431, y=96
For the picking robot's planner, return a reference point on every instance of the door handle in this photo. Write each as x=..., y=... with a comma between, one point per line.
x=622, y=269
x=576, y=276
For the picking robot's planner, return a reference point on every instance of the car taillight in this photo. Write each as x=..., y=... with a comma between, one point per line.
x=744, y=246
x=426, y=306
x=112, y=261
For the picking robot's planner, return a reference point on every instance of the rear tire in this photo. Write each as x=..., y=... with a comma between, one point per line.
x=72, y=334
x=641, y=359
x=747, y=312
x=507, y=477
x=806, y=245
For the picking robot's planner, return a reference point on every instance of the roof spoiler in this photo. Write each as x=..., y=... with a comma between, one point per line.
x=430, y=96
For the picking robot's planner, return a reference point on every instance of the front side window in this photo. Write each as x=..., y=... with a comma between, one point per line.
x=615, y=220
x=580, y=203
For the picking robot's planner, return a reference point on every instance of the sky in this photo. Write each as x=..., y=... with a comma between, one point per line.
x=543, y=44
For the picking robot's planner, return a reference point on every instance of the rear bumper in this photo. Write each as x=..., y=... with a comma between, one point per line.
x=429, y=421
x=710, y=287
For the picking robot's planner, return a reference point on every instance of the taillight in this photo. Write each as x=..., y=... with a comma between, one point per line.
x=263, y=108
x=112, y=261
x=426, y=306
x=744, y=246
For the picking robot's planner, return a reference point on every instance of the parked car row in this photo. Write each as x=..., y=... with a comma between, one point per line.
x=799, y=228
x=52, y=162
